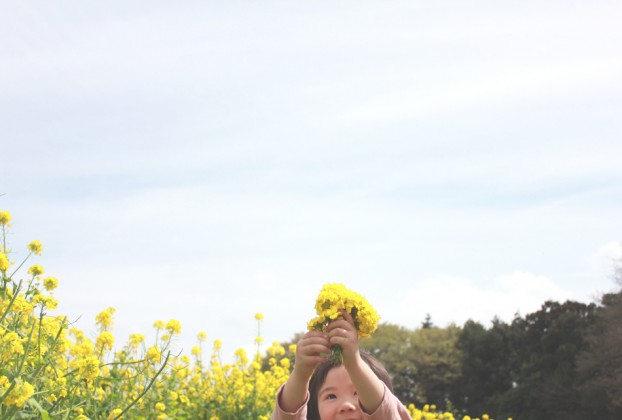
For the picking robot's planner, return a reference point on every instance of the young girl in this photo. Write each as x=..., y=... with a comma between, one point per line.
x=321, y=389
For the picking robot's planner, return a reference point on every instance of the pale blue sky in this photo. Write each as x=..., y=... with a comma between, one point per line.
x=207, y=160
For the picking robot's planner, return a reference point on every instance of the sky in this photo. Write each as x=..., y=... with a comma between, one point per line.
x=204, y=161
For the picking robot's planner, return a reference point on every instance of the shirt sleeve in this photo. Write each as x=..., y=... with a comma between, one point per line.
x=279, y=414
x=390, y=408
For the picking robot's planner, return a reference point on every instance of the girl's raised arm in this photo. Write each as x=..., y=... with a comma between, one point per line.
x=369, y=387
x=310, y=352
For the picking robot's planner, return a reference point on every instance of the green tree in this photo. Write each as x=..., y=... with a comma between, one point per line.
x=424, y=363
x=600, y=365
x=427, y=322
x=487, y=359
x=549, y=342
x=392, y=345
x=438, y=362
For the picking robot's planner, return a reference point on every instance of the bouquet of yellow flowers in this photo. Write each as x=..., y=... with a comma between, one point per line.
x=334, y=297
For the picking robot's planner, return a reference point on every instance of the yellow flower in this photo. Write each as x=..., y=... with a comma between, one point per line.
x=196, y=351
x=35, y=270
x=202, y=336
x=105, y=341
x=258, y=316
x=50, y=283
x=160, y=406
x=136, y=339
x=114, y=413
x=241, y=356
x=158, y=325
x=4, y=262
x=333, y=298
x=88, y=367
x=35, y=247
x=173, y=326
x=47, y=301
x=153, y=354
x=217, y=344
x=20, y=394
x=5, y=218
x=11, y=343
x=104, y=318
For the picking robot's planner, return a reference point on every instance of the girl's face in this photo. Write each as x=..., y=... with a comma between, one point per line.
x=337, y=398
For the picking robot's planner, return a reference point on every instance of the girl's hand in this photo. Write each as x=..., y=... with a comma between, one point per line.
x=369, y=388
x=311, y=350
x=343, y=332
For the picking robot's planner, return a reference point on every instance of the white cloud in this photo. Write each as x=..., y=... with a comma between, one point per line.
x=457, y=299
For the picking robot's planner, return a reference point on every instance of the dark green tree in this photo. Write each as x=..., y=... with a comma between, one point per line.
x=545, y=379
x=600, y=365
x=487, y=363
x=437, y=359
x=427, y=322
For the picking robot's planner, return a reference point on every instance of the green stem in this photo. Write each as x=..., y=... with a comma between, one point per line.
x=20, y=367
x=20, y=266
x=15, y=293
x=146, y=388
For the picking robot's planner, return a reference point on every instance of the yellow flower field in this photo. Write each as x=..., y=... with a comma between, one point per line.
x=50, y=370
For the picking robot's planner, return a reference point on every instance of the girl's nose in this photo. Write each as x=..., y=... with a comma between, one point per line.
x=349, y=405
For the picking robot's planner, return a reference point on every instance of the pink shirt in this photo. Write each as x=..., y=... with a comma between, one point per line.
x=390, y=409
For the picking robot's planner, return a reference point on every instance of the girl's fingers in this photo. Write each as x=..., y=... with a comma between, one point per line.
x=346, y=315
x=338, y=332
x=321, y=339
x=342, y=324
x=313, y=344
x=315, y=348
x=309, y=334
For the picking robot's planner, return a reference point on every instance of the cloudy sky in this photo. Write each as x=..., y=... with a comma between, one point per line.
x=205, y=161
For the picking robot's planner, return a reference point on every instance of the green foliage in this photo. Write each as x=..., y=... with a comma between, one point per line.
x=392, y=345
x=560, y=362
x=424, y=363
x=599, y=366
x=549, y=342
x=487, y=356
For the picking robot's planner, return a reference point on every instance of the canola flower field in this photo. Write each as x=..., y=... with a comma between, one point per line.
x=51, y=370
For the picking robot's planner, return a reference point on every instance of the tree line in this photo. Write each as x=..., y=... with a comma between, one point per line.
x=563, y=361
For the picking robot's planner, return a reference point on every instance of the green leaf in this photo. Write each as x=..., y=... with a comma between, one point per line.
x=44, y=414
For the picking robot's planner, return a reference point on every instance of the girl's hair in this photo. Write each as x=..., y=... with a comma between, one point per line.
x=321, y=371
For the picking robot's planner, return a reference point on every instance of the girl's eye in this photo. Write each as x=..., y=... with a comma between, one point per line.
x=331, y=397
